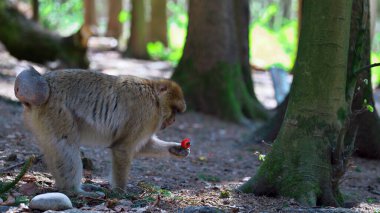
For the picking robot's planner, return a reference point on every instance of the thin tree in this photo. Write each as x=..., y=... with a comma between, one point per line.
x=35, y=7
x=136, y=46
x=90, y=21
x=158, y=22
x=366, y=124
x=114, y=26
x=310, y=153
x=211, y=69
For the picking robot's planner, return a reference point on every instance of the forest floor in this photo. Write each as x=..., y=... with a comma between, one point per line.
x=220, y=160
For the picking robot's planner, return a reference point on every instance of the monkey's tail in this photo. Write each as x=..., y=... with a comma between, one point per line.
x=31, y=88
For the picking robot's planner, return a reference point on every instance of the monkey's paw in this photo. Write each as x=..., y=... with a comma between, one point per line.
x=178, y=151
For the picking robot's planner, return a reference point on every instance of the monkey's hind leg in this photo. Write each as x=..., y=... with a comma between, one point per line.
x=62, y=157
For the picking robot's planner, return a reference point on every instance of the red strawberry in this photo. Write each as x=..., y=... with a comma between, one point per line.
x=185, y=143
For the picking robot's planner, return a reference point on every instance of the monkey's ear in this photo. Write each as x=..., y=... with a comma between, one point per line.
x=162, y=87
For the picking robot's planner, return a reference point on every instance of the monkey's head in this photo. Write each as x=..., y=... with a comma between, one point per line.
x=171, y=101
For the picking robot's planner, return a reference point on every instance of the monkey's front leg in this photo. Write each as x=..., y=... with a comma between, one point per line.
x=156, y=147
x=121, y=164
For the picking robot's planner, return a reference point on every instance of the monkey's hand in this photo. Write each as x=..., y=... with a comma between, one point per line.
x=178, y=151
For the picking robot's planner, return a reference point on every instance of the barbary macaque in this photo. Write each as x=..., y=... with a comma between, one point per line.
x=67, y=108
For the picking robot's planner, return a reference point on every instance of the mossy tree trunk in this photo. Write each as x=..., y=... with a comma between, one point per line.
x=136, y=47
x=210, y=70
x=25, y=39
x=158, y=22
x=114, y=26
x=365, y=124
x=308, y=156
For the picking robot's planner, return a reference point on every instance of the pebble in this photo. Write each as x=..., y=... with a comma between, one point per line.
x=51, y=201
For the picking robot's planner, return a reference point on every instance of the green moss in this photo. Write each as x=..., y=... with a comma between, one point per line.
x=342, y=114
x=218, y=91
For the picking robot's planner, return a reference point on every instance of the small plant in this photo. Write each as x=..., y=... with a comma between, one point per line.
x=208, y=178
x=368, y=106
x=260, y=156
x=224, y=194
x=371, y=200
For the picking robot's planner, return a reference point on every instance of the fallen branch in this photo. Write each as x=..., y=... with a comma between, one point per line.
x=39, y=157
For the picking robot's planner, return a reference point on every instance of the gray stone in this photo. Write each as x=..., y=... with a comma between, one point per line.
x=200, y=209
x=4, y=208
x=51, y=201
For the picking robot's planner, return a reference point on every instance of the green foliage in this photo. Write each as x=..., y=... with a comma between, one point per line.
x=158, y=51
x=6, y=186
x=375, y=58
x=177, y=30
x=262, y=157
x=286, y=34
x=64, y=16
x=370, y=108
x=367, y=106
x=21, y=199
x=124, y=16
x=224, y=194
x=371, y=200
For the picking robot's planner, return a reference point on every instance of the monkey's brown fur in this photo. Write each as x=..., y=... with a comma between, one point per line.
x=84, y=107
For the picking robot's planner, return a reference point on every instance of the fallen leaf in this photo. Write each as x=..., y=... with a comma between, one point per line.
x=29, y=188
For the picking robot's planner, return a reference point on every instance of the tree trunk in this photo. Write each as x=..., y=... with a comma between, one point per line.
x=89, y=17
x=366, y=123
x=158, y=22
x=373, y=15
x=114, y=27
x=210, y=70
x=308, y=155
x=25, y=39
x=242, y=16
x=137, y=41
x=35, y=6
x=269, y=131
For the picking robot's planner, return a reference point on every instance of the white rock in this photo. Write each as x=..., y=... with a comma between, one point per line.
x=51, y=201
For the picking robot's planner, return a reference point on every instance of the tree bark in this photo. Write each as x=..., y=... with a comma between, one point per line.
x=269, y=131
x=137, y=41
x=89, y=16
x=158, y=22
x=307, y=158
x=114, y=27
x=242, y=16
x=210, y=70
x=27, y=40
x=366, y=124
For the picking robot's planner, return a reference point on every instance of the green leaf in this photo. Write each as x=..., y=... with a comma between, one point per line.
x=262, y=157
x=365, y=81
x=370, y=108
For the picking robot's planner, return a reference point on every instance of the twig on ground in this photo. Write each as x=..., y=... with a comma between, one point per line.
x=39, y=157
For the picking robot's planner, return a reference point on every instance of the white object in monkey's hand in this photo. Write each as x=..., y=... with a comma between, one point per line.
x=66, y=108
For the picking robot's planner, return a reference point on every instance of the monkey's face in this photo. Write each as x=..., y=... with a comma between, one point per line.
x=172, y=102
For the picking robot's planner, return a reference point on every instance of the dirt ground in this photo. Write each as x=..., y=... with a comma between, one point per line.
x=219, y=162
